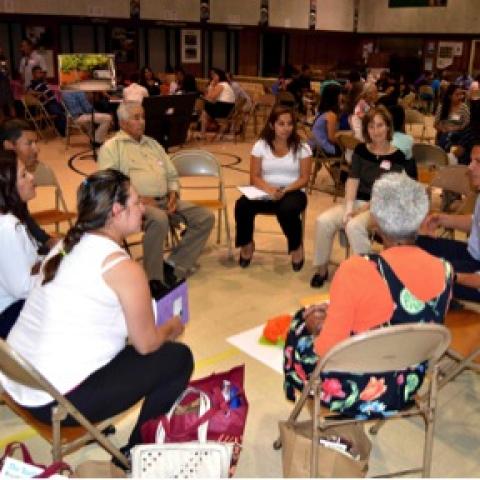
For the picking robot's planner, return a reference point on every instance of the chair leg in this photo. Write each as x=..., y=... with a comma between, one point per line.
x=376, y=427
x=430, y=425
x=219, y=226
x=227, y=231
x=313, y=178
x=58, y=414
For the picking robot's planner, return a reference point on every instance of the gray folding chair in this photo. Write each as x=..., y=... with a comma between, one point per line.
x=200, y=163
x=45, y=177
x=375, y=351
x=64, y=440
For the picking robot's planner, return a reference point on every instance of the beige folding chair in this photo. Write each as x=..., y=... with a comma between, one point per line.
x=64, y=440
x=45, y=177
x=71, y=125
x=262, y=109
x=375, y=351
x=428, y=158
x=35, y=114
x=200, y=163
x=414, y=118
x=235, y=122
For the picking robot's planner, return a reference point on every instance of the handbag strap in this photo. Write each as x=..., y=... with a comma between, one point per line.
x=55, y=467
x=201, y=424
x=26, y=457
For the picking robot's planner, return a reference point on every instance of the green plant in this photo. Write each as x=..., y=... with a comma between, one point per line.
x=69, y=63
x=92, y=62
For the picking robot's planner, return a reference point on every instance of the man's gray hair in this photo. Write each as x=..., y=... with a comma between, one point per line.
x=399, y=205
x=124, y=110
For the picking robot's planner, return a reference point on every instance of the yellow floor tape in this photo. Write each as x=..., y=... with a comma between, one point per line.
x=29, y=432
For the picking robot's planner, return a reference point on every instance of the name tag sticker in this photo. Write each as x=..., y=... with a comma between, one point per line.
x=455, y=117
x=386, y=165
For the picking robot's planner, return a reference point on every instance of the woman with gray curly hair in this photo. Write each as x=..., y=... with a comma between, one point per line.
x=402, y=284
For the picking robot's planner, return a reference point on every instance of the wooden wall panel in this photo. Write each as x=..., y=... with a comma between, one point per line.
x=248, y=59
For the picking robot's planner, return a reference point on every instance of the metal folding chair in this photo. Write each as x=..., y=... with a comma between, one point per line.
x=64, y=440
x=375, y=351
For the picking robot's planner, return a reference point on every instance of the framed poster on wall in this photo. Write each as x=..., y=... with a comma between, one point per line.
x=191, y=46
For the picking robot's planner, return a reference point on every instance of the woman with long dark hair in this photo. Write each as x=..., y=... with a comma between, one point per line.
x=19, y=259
x=91, y=299
x=325, y=125
x=149, y=81
x=219, y=98
x=452, y=119
x=280, y=165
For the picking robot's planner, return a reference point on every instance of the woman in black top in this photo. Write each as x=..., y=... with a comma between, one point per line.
x=149, y=81
x=370, y=160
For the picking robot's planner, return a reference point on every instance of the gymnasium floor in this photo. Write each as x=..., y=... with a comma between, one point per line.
x=226, y=300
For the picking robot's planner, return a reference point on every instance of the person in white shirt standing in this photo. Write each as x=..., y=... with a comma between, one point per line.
x=134, y=92
x=280, y=165
x=19, y=260
x=30, y=58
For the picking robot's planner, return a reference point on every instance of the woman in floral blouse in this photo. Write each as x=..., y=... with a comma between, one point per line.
x=401, y=285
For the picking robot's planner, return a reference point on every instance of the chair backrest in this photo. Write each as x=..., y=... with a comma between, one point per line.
x=196, y=163
x=387, y=349
x=44, y=176
x=285, y=98
x=414, y=117
x=267, y=100
x=453, y=178
x=426, y=154
x=347, y=140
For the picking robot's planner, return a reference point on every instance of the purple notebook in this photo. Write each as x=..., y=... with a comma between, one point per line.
x=173, y=302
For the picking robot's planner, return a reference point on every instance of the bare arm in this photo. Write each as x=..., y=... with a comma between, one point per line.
x=214, y=92
x=462, y=223
x=128, y=280
x=331, y=127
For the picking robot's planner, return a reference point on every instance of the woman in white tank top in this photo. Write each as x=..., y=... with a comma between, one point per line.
x=219, y=98
x=90, y=298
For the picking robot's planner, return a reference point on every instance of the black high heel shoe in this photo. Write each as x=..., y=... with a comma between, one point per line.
x=297, y=266
x=245, y=262
x=318, y=280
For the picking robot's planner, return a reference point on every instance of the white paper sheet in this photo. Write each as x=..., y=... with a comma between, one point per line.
x=254, y=193
x=247, y=342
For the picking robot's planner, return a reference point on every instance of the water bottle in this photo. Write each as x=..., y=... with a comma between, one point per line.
x=226, y=392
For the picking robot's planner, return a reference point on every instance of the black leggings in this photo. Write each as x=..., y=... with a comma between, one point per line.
x=287, y=210
x=160, y=377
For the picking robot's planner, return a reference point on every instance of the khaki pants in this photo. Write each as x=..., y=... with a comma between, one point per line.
x=199, y=222
x=330, y=222
x=103, y=120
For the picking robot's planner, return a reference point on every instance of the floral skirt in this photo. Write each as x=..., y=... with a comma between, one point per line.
x=353, y=395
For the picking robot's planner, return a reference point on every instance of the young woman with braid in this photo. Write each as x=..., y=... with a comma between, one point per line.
x=89, y=299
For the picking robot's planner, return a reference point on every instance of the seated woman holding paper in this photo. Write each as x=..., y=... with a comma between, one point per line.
x=280, y=166
x=90, y=299
x=370, y=160
x=19, y=258
x=403, y=284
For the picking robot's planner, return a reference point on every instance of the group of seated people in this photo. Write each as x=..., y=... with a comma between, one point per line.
x=71, y=312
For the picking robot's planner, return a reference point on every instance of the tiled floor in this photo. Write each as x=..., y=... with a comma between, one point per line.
x=226, y=300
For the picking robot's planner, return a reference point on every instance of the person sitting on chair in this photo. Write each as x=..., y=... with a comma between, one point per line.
x=464, y=256
x=40, y=89
x=18, y=137
x=81, y=110
x=155, y=178
x=90, y=298
x=19, y=258
x=403, y=284
x=325, y=125
x=280, y=165
x=370, y=160
x=219, y=98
